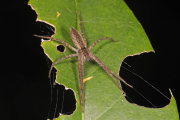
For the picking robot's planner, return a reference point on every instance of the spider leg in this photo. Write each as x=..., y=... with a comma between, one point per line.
x=80, y=68
x=82, y=32
x=107, y=70
x=100, y=40
x=65, y=43
x=69, y=56
x=94, y=57
x=119, y=77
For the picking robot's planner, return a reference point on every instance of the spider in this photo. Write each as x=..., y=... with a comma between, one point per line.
x=84, y=54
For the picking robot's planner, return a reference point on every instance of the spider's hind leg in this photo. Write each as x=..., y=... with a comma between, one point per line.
x=82, y=32
x=105, y=38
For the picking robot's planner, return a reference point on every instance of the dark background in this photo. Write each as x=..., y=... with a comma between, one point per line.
x=25, y=90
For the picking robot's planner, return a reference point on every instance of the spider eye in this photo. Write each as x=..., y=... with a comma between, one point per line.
x=61, y=48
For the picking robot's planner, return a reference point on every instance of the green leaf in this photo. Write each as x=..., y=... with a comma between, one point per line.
x=100, y=18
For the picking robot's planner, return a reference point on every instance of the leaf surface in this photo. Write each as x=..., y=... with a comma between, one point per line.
x=100, y=18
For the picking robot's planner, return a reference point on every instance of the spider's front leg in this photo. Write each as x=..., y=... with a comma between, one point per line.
x=80, y=68
x=94, y=57
x=69, y=56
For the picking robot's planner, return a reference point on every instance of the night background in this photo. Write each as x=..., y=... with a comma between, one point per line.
x=24, y=67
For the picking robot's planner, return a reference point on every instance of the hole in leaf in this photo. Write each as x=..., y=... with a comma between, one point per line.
x=61, y=48
x=44, y=29
x=63, y=101
x=145, y=66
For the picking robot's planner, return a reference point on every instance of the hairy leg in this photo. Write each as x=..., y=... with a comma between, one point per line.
x=94, y=57
x=80, y=68
x=82, y=32
x=69, y=56
x=100, y=40
x=65, y=43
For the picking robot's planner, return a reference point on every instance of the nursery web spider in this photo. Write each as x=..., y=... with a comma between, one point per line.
x=84, y=54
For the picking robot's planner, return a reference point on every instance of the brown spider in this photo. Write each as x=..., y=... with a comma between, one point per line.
x=84, y=54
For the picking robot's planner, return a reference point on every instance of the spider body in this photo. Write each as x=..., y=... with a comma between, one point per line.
x=85, y=52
